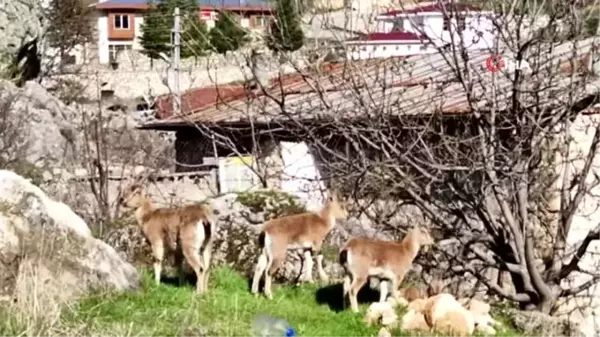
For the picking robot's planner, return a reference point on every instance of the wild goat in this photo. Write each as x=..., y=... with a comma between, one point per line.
x=305, y=231
x=185, y=231
x=362, y=258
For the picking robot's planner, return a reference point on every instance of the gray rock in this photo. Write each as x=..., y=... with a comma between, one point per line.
x=540, y=324
x=43, y=243
x=41, y=121
x=21, y=22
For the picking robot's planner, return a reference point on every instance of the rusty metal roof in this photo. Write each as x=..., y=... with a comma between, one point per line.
x=422, y=84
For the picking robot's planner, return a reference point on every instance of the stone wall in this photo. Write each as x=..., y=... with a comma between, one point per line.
x=586, y=306
x=170, y=189
x=137, y=76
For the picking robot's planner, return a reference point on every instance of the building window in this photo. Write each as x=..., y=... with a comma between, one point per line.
x=260, y=21
x=397, y=47
x=408, y=47
x=115, y=49
x=419, y=23
x=364, y=48
x=384, y=48
x=423, y=47
x=446, y=24
x=398, y=26
x=121, y=21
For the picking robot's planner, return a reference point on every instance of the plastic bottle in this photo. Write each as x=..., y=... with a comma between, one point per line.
x=266, y=326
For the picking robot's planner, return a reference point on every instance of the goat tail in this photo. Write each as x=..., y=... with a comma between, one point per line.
x=343, y=258
x=261, y=239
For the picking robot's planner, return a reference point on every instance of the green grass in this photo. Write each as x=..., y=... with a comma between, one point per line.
x=227, y=309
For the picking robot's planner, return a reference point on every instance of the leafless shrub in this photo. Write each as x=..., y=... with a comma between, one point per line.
x=489, y=157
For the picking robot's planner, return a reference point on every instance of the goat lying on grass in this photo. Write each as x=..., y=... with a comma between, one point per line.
x=305, y=231
x=186, y=231
x=363, y=257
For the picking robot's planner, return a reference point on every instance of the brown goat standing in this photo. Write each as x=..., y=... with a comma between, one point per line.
x=185, y=231
x=305, y=231
x=363, y=257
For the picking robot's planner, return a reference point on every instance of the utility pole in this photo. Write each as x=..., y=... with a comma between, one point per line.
x=176, y=60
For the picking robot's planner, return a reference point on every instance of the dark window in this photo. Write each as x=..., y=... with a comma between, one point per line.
x=121, y=21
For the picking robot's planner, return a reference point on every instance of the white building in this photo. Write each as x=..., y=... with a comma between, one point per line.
x=385, y=45
x=423, y=29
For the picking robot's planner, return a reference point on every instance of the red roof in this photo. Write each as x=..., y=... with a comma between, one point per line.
x=199, y=99
x=436, y=8
x=392, y=36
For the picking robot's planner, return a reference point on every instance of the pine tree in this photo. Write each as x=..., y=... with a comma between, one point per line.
x=194, y=32
x=227, y=35
x=286, y=32
x=156, y=31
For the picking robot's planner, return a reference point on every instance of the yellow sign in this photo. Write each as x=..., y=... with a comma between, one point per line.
x=244, y=160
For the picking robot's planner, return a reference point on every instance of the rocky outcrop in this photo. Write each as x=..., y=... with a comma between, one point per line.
x=36, y=125
x=22, y=29
x=45, y=245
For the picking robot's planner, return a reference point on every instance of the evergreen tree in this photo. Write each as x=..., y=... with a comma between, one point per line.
x=286, y=32
x=156, y=30
x=195, y=34
x=227, y=35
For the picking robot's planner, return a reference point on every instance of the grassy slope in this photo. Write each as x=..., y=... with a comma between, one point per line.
x=226, y=310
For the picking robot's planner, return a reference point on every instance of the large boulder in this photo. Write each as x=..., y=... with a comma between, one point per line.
x=37, y=126
x=44, y=243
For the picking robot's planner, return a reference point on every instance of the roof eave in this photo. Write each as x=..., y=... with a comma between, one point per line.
x=121, y=6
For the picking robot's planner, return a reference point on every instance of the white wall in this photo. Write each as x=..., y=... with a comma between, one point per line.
x=104, y=42
x=365, y=50
x=103, y=55
x=587, y=217
x=433, y=27
x=139, y=21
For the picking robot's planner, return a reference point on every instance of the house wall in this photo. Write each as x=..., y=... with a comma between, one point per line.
x=586, y=219
x=139, y=21
x=115, y=33
x=107, y=36
x=385, y=50
x=103, y=55
x=433, y=27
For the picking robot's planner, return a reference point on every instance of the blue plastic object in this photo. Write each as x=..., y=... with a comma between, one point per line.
x=266, y=326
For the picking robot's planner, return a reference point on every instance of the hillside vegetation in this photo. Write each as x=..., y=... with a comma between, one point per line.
x=226, y=310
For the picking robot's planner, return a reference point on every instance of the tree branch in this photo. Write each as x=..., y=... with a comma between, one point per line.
x=574, y=263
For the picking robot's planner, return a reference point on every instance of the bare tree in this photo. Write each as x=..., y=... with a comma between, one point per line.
x=489, y=156
x=69, y=25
